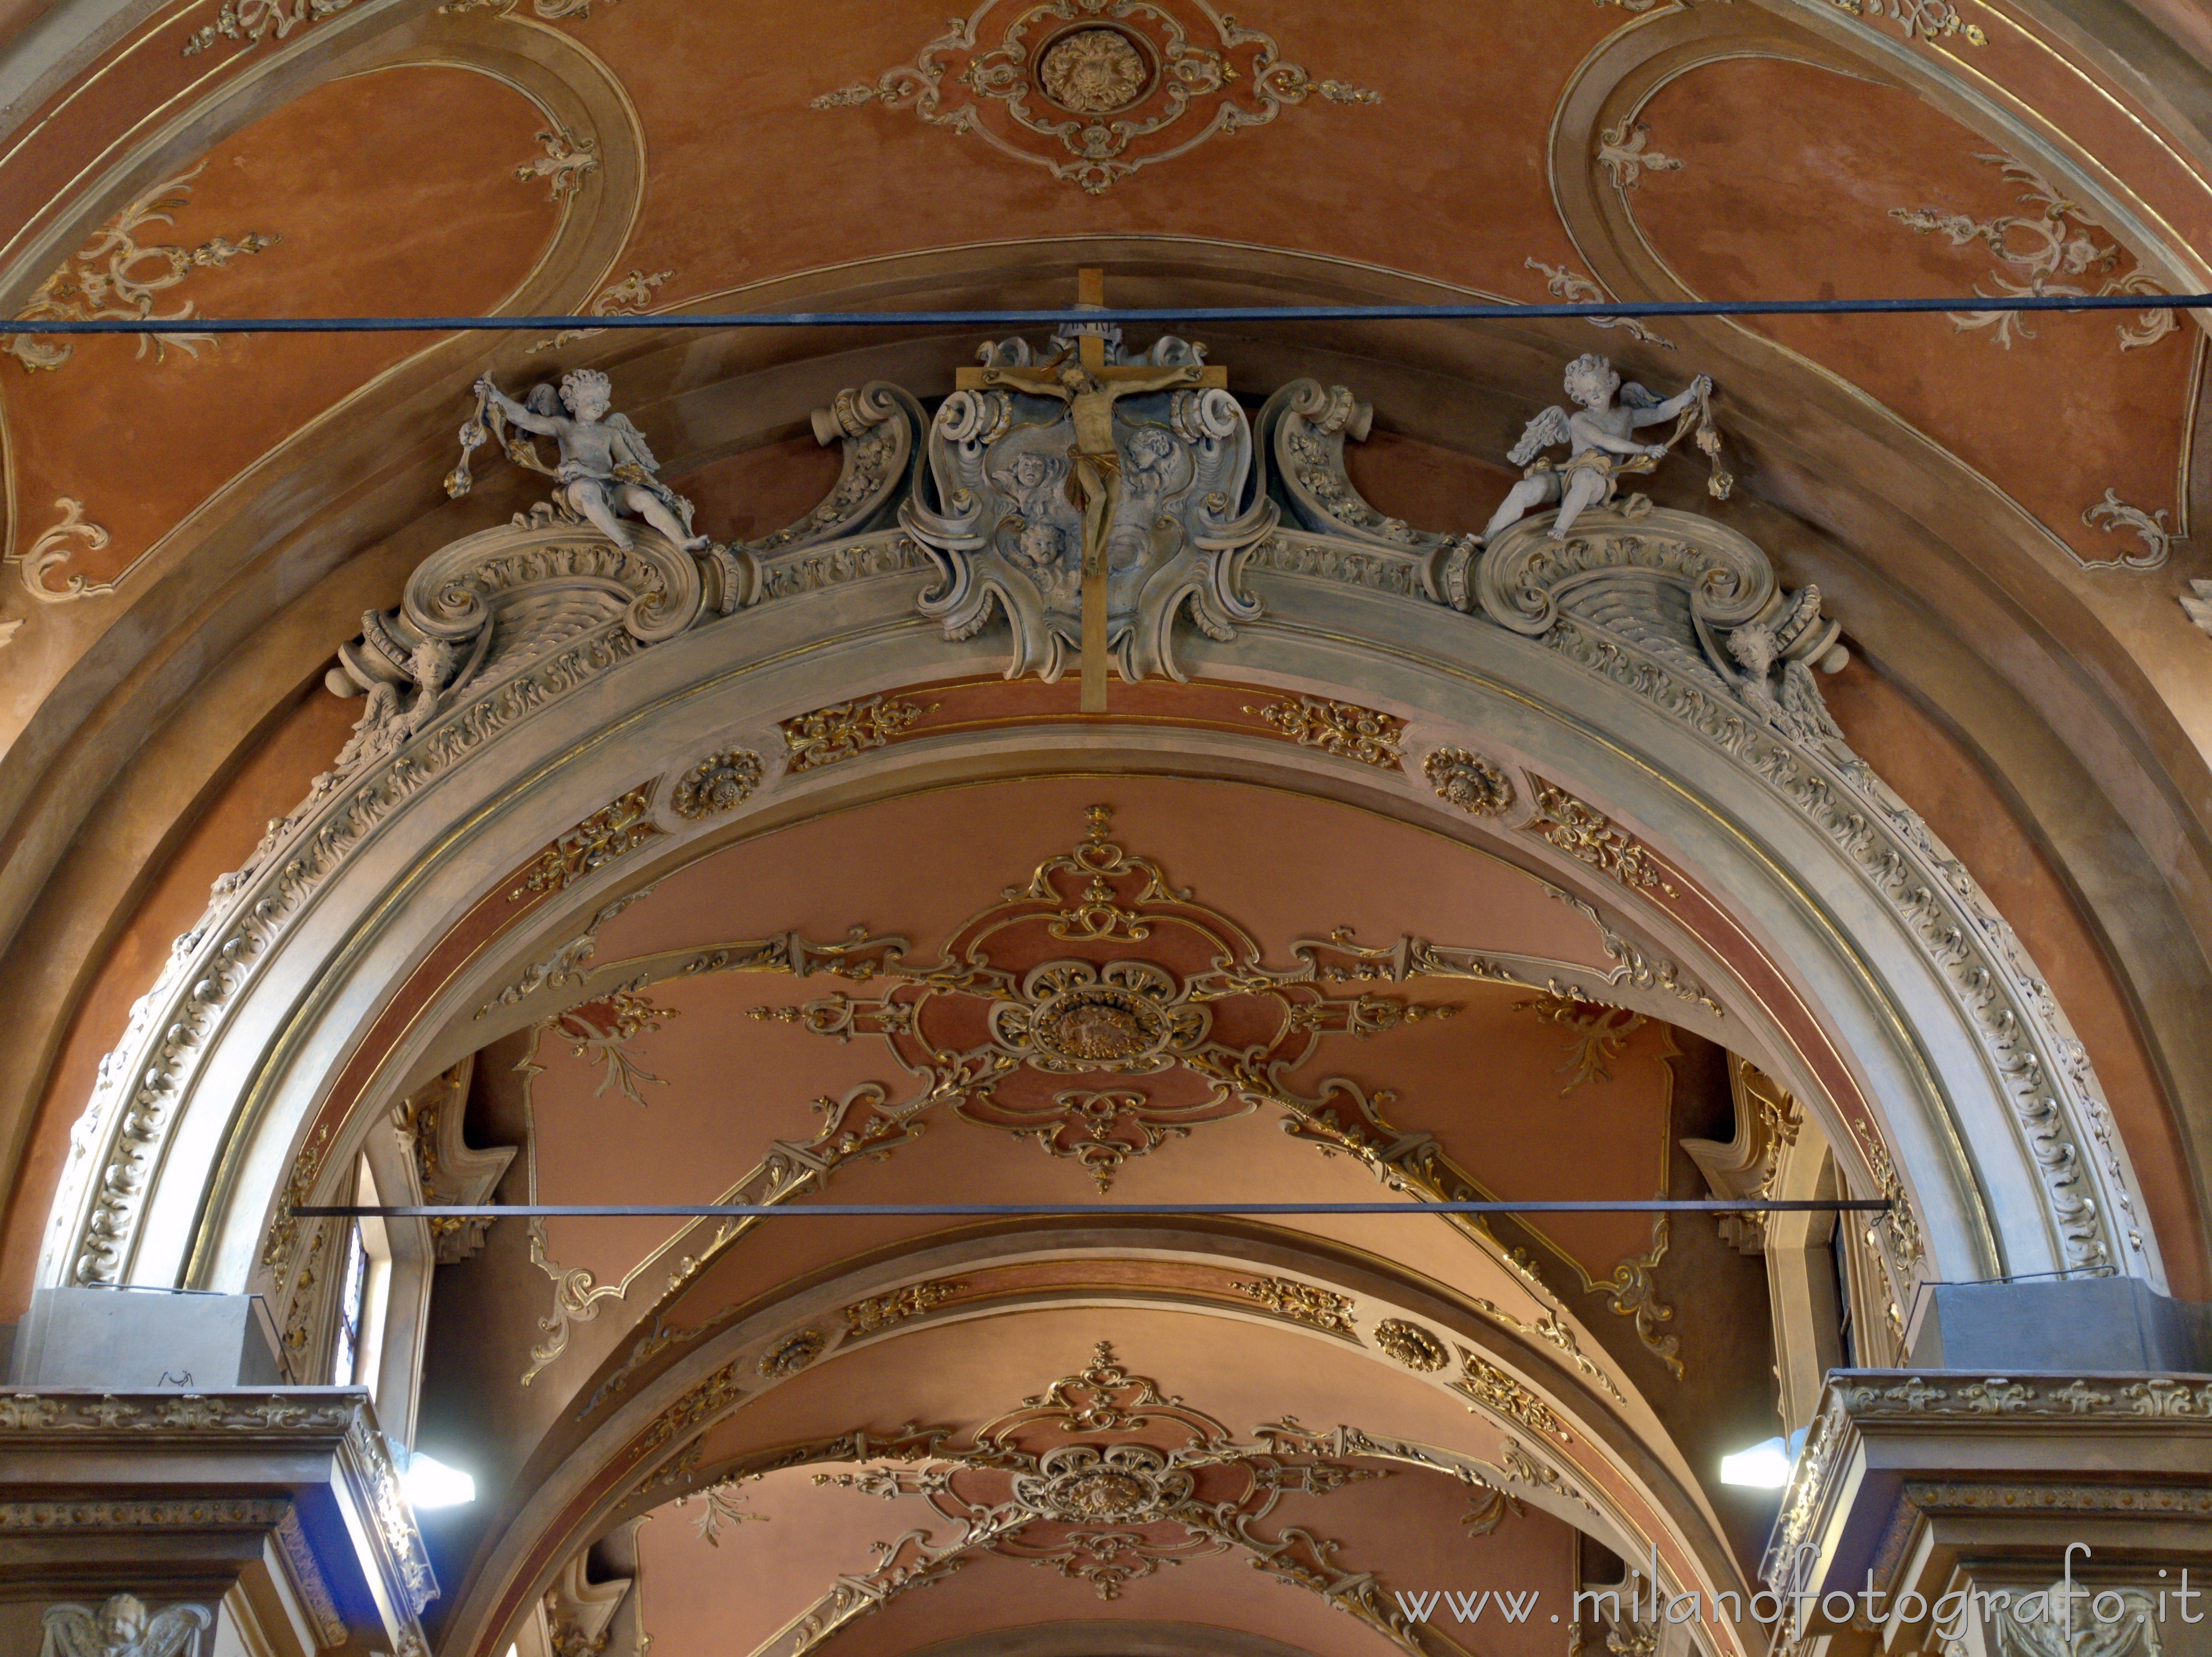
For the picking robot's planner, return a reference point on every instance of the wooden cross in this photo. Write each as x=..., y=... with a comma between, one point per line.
x=1089, y=388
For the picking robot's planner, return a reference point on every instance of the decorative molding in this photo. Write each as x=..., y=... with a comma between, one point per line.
x=2058, y=239
x=1587, y=835
x=840, y=731
x=2114, y=515
x=566, y=966
x=720, y=782
x=1155, y=69
x=599, y=1034
x=579, y=1612
x=1411, y=1345
x=208, y=1512
x=308, y=1580
x=788, y=1357
x=1562, y=283
x=52, y=550
x=1927, y=20
x=566, y=159
x=1632, y=1291
x=1486, y=1385
x=1623, y=151
x=1286, y=1297
x=252, y=22
x=1344, y=729
x=615, y=829
x=114, y=279
x=311, y=1412
x=631, y=296
x=1468, y=782
x=1548, y=1328
x=1738, y=671
x=723, y=1504
x=879, y=1312
x=1636, y=968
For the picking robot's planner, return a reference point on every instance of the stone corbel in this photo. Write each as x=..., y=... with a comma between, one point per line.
x=1750, y=1164
x=575, y=1616
x=1303, y=428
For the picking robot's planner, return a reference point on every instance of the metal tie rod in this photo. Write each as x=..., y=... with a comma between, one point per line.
x=1483, y=311
x=1065, y=1211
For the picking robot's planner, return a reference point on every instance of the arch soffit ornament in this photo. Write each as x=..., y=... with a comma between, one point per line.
x=1564, y=1450
x=1400, y=586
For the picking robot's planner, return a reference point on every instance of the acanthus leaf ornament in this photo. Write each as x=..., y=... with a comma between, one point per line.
x=1094, y=90
x=52, y=550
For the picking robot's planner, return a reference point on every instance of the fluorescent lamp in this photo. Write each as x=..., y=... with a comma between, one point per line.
x=1764, y=1466
x=429, y=1482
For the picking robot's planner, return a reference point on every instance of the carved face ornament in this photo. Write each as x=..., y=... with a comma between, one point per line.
x=1094, y=71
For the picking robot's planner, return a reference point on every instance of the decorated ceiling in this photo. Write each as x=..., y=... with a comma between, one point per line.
x=1829, y=818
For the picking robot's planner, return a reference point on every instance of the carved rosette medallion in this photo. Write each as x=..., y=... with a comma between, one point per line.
x=720, y=782
x=1095, y=70
x=1410, y=1344
x=1468, y=782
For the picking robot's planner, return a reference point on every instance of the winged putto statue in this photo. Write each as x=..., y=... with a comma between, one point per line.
x=123, y=1628
x=605, y=467
x=1602, y=444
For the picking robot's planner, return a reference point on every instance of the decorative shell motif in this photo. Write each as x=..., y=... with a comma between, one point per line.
x=1094, y=71
x=789, y=1356
x=1410, y=1344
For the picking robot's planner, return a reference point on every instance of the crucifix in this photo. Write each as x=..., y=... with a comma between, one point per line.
x=1089, y=388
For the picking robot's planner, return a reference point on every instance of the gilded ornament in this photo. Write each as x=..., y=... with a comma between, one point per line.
x=601, y=1033
x=838, y=733
x=566, y=159
x=1633, y=1292
x=879, y=1312
x=1344, y=729
x=789, y=1356
x=1928, y=20
x=1490, y=1386
x=1321, y=1309
x=609, y=833
x=1468, y=782
x=1596, y=1035
x=1090, y=80
x=114, y=279
x=1587, y=835
x=1548, y=1328
x=1410, y=1344
x=1487, y=1508
x=720, y=782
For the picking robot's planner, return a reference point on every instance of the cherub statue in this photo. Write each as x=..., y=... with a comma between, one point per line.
x=121, y=1627
x=1601, y=448
x=605, y=468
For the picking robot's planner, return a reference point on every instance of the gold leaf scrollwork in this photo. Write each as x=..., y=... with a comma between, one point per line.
x=720, y=782
x=1320, y=1309
x=1587, y=835
x=1596, y=1035
x=838, y=731
x=113, y=278
x=1633, y=1293
x=1410, y=1344
x=599, y=1032
x=1486, y=1384
x=878, y=1311
x=1345, y=728
x=1468, y=782
x=611, y=832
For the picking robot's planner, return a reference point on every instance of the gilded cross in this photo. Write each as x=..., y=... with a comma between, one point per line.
x=1091, y=387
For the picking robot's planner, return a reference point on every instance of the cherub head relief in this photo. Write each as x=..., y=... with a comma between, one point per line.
x=1149, y=448
x=1591, y=380
x=432, y=663
x=1031, y=470
x=1040, y=545
x=587, y=393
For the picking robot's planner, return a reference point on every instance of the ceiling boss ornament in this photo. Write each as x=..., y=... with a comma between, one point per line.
x=1094, y=89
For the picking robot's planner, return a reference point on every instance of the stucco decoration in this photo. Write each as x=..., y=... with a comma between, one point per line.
x=998, y=518
x=1093, y=90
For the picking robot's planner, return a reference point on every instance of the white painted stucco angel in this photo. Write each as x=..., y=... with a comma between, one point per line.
x=122, y=1627
x=605, y=468
x=1601, y=441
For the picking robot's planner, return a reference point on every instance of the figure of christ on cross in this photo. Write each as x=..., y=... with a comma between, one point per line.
x=1090, y=388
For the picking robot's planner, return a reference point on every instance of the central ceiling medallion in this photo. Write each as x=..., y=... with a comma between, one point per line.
x=1094, y=71
x=1128, y=1016
x=1094, y=89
